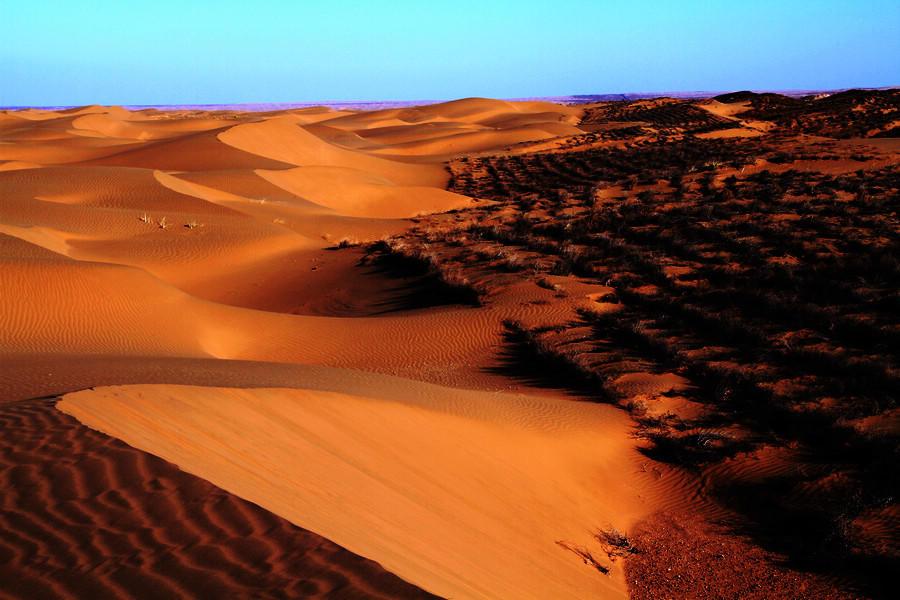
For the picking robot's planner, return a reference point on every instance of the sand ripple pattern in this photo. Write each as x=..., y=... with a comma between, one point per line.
x=86, y=516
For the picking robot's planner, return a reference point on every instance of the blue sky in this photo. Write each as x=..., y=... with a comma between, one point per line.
x=183, y=51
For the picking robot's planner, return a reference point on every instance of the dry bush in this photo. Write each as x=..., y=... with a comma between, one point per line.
x=615, y=543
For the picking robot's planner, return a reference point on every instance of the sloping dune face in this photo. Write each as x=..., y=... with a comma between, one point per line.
x=86, y=516
x=470, y=495
x=439, y=131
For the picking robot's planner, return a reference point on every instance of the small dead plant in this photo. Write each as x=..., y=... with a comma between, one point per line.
x=615, y=543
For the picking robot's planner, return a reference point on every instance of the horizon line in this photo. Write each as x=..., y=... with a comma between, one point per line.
x=681, y=94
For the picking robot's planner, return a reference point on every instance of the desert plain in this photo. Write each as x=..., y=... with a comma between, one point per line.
x=473, y=349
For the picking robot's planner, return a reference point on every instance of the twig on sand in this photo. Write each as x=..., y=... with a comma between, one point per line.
x=585, y=555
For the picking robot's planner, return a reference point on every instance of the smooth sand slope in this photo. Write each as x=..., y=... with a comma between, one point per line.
x=470, y=495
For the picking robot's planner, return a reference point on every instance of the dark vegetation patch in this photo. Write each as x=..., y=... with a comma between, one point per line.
x=529, y=355
x=565, y=176
x=434, y=284
x=854, y=113
x=667, y=115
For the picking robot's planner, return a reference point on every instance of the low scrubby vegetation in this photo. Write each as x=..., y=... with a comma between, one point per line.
x=667, y=115
x=416, y=260
x=853, y=113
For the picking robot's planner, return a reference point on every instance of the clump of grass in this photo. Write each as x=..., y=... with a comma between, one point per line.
x=513, y=262
x=421, y=261
x=145, y=218
x=541, y=359
x=163, y=223
x=549, y=285
x=193, y=224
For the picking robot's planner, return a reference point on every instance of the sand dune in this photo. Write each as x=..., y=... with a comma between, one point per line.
x=63, y=150
x=192, y=152
x=405, y=482
x=117, y=215
x=468, y=110
x=86, y=516
x=412, y=132
x=106, y=309
x=357, y=193
x=119, y=323
x=439, y=131
x=98, y=187
x=443, y=148
x=248, y=192
x=14, y=165
x=138, y=127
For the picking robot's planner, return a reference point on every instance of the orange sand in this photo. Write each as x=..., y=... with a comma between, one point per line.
x=146, y=246
x=462, y=493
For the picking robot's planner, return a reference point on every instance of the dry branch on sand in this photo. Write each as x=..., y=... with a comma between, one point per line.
x=585, y=555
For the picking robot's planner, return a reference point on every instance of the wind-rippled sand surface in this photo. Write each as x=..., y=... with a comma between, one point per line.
x=86, y=516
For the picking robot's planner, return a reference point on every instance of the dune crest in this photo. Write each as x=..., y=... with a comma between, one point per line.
x=358, y=193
